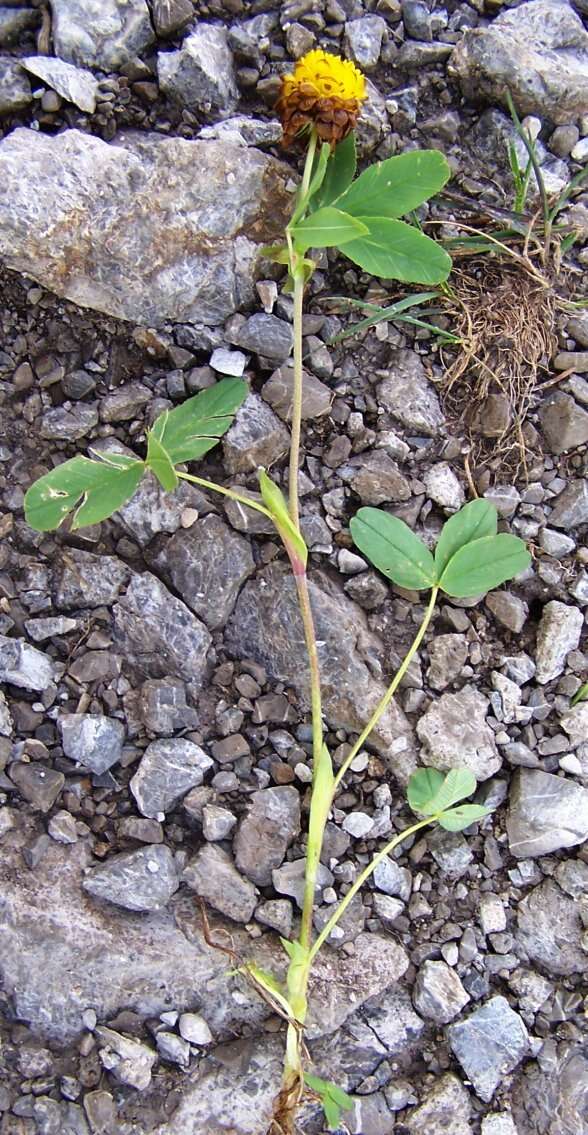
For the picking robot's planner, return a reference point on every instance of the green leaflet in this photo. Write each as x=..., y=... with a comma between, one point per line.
x=430, y=791
x=339, y=173
x=392, y=547
x=397, y=251
x=456, y=819
x=92, y=490
x=475, y=520
x=327, y=228
x=397, y=185
x=333, y=1099
x=484, y=564
x=190, y=430
x=159, y=462
x=274, y=500
x=580, y=695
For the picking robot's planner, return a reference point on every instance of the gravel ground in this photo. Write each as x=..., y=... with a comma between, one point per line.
x=154, y=736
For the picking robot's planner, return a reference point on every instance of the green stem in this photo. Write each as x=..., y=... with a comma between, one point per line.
x=387, y=698
x=297, y=274
x=232, y=493
x=296, y=403
x=361, y=879
x=313, y=851
x=302, y=195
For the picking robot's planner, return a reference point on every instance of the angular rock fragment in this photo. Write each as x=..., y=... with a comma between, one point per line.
x=163, y=706
x=376, y=478
x=24, y=666
x=439, y=994
x=15, y=89
x=158, y=634
x=546, y=813
x=538, y=51
x=82, y=579
x=207, y=564
x=94, y=741
x=489, y=1044
x=213, y=876
x=72, y=83
x=445, y=1108
x=130, y=1061
x=564, y=422
x=136, y=880
x=409, y=396
x=559, y=633
x=100, y=33
x=201, y=74
x=550, y=929
x=167, y=771
x=256, y=437
x=38, y=785
x=270, y=826
x=455, y=734
x=278, y=390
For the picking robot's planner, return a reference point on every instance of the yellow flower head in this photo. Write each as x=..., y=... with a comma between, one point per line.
x=324, y=92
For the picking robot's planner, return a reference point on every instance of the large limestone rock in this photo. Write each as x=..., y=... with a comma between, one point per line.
x=266, y=626
x=118, y=959
x=538, y=51
x=148, y=229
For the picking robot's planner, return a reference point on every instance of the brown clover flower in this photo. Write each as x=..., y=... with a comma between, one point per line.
x=324, y=92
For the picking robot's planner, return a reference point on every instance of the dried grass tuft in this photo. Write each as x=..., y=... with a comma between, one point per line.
x=506, y=319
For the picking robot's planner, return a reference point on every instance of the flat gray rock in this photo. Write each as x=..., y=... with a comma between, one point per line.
x=207, y=564
x=489, y=1044
x=114, y=958
x=39, y=785
x=23, y=665
x=266, y=832
x=445, y=1109
x=256, y=437
x=96, y=742
x=215, y=1100
x=73, y=83
x=550, y=930
x=559, y=633
x=136, y=880
x=151, y=230
x=83, y=579
x=409, y=396
x=100, y=33
x=166, y=773
x=538, y=51
x=214, y=877
x=201, y=74
x=278, y=391
x=376, y=478
x=157, y=633
x=129, y=1061
x=546, y=813
x=15, y=89
x=266, y=625
x=438, y=993
x=455, y=734
x=151, y=510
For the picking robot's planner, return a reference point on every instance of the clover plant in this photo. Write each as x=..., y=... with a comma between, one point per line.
x=361, y=217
